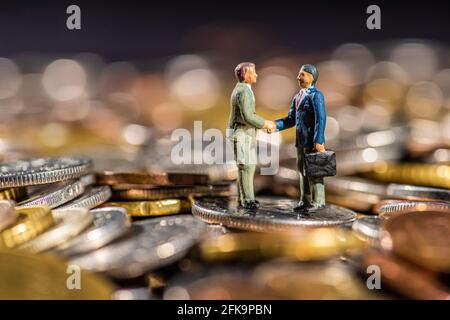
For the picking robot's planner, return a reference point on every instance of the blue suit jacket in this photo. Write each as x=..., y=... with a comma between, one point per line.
x=309, y=118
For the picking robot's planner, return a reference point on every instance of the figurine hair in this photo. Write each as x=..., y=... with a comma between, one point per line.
x=312, y=70
x=241, y=70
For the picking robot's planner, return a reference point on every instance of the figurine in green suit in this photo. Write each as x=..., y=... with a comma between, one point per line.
x=243, y=123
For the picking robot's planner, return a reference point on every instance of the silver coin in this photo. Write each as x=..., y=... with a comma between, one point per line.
x=109, y=224
x=367, y=228
x=91, y=198
x=417, y=192
x=394, y=206
x=54, y=195
x=151, y=244
x=7, y=213
x=273, y=215
x=42, y=170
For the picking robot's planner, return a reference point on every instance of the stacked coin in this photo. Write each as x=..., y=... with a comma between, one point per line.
x=158, y=193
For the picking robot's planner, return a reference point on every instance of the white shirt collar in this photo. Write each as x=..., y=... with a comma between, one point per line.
x=249, y=85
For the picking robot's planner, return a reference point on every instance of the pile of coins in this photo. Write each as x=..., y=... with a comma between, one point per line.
x=70, y=232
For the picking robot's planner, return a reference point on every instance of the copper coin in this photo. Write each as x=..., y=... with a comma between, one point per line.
x=421, y=238
x=405, y=278
x=158, y=193
x=158, y=178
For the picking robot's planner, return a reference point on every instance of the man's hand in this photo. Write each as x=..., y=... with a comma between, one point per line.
x=270, y=126
x=319, y=147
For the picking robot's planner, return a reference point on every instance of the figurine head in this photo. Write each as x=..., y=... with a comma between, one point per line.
x=246, y=72
x=307, y=75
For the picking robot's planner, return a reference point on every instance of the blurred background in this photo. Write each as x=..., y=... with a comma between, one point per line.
x=117, y=88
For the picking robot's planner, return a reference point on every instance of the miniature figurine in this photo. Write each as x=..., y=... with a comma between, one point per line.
x=243, y=123
x=307, y=113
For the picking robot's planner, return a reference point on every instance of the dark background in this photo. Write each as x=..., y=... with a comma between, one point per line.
x=133, y=29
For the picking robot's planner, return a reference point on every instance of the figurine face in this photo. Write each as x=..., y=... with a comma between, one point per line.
x=304, y=78
x=250, y=76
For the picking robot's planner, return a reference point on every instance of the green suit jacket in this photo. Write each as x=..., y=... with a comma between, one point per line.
x=243, y=112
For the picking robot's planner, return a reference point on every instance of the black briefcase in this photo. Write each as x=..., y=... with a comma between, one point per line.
x=320, y=164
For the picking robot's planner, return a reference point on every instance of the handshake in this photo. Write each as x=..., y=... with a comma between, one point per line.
x=270, y=126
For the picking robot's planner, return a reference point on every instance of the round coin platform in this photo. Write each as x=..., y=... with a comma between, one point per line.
x=273, y=215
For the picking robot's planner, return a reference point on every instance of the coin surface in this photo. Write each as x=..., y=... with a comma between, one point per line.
x=150, y=244
x=54, y=194
x=108, y=225
x=274, y=214
x=29, y=276
x=42, y=170
x=7, y=213
x=407, y=279
x=367, y=228
x=421, y=238
x=91, y=198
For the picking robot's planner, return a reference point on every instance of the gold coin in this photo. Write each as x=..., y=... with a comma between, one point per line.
x=16, y=194
x=310, y=244
x=151, y=208
x=29, y=276
x=69, y=223
x=32, y=221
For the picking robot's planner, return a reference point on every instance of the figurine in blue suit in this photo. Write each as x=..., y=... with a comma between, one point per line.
x=308, y=115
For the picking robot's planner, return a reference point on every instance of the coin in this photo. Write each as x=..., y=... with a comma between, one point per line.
x=7, y=213
x=134, y=192
x=344, y=185
x=417, y=192
x=42, y=170
x=423, y=239
x=16, y=194
x=150, y=178
x=413, y=173
x=69, y=223
x=32, y=222
x=108, y=225
x=215, y=172
x=405, y=278
x=53, y=195
x=308, y=244
x=91, y=198
x=151, y=208
x=274, y=215
x=388, y=208
x=318, y=281
x=29, y=276
x=367, y=228
x=151, y=244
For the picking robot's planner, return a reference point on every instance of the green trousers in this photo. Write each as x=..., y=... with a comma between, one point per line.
x=245, y=156
x=312, y=190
